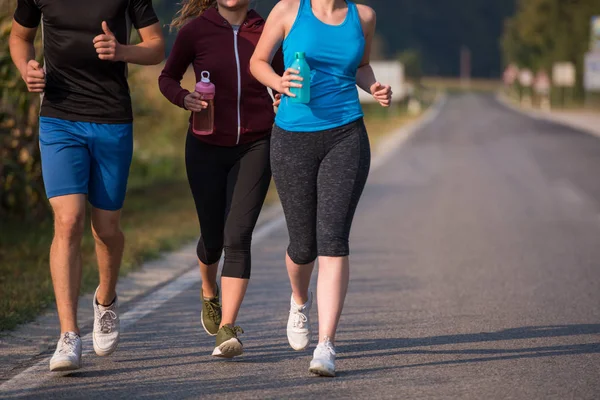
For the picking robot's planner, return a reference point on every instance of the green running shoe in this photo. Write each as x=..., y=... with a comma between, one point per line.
x=211, y=314
x=228, y=345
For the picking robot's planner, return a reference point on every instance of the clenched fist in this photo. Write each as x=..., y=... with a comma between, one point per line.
x=382, y=94
x=35, y=77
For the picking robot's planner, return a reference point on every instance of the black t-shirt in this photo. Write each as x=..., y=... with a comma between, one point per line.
x=80, y=86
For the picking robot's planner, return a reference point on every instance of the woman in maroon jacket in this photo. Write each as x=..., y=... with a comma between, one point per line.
x=228, y=171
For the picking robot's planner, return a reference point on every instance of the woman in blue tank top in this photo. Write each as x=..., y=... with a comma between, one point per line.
x=320, y=153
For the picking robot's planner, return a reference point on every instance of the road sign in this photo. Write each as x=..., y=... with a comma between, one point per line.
x=542, y=83
x=564, y=74
x=595, y=34
x=591, y=77
x=526, y=78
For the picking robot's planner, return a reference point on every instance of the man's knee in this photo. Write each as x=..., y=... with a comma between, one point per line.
x=106, y=225
x=106, y=232
x=69, y=225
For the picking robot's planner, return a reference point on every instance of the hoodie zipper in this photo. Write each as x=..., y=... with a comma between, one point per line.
x=239, y=80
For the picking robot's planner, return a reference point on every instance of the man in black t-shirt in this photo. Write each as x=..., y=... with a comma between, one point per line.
x=86, y=141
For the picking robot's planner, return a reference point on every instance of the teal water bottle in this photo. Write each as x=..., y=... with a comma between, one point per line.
x=303, y=93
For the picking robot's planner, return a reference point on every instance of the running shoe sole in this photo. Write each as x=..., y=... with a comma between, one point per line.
x=229, y=349
x=105, y=352
x=320, y=370
x=204, y=326
x=299, y=348
x=60, y=366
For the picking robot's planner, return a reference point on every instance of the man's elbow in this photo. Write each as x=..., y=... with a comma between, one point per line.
x=159, y=51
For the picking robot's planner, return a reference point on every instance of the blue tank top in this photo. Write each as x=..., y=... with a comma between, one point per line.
x=333, y=53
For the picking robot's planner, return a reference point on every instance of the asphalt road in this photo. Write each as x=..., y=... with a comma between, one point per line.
x=475, y=275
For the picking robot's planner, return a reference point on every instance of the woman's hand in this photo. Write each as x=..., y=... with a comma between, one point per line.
x=382, y=94
x=277, y=101
x=193, y=102
x=287, y=82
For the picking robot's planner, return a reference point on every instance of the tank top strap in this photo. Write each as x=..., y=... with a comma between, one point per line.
x=353, y=17
x=305, y=7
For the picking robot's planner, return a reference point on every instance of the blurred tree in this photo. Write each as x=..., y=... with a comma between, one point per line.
x=543, y=32
x=413, y=67
x=21, y=189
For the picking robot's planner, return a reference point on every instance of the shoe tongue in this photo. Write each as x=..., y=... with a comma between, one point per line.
x=105, y=308
x=71, y=335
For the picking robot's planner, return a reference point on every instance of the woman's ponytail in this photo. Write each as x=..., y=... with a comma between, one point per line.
x=191, y=9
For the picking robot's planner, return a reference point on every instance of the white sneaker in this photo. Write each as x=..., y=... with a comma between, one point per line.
x=67, y=356
x=298, y=327
x=323, y=362
x=106, y=327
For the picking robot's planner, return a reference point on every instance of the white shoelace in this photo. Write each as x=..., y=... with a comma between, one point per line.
x=107, y=319
x=69, y=343
x=300, y=319
x=326, y=349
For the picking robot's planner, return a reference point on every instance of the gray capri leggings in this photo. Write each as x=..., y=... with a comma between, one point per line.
x=320, y=177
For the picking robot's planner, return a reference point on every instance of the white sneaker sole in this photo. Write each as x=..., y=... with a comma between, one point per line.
x=64, y=365
x=204, y=326
x=319, y=369
x=105, y=352
x=299, y=347
x=229, y=349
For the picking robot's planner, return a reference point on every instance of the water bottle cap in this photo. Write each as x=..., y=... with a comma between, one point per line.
x=299, y=55
x=205, y=77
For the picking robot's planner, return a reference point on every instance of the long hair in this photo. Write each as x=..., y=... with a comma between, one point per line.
x=191, y=9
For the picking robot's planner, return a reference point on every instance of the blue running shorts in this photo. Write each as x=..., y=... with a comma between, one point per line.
x=86, y=158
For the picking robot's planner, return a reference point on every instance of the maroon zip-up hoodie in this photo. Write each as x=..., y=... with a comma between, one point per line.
x=210, y=44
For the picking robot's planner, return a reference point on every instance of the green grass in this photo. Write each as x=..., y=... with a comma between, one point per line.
x=159, y=214
x=155, y=219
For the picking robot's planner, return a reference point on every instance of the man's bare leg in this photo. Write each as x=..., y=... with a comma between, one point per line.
x=65, y=257
x=110, y=243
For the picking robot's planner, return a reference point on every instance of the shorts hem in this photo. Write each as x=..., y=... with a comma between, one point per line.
x=335, y=254
x=227, y=274
x=298, y=261
x=106, y=207
x=65, y=192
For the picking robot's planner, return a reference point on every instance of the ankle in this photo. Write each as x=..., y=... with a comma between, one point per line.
x=106, y=300
x=209, y=291
x=327, y=339
x=301, y=299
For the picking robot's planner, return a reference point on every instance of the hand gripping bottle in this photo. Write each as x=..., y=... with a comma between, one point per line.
x=303, y=93
x=203, y=121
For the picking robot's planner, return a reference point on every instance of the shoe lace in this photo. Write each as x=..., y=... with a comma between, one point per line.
x=107, y=319
x=235, y=330
x=300, y=319
x=326, y=348
x=69, y=342
x=212, y=307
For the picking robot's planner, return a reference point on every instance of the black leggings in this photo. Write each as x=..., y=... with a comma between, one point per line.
x=229, y=185
x=320, y=177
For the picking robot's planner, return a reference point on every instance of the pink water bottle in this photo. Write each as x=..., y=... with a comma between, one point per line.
x=203, y=121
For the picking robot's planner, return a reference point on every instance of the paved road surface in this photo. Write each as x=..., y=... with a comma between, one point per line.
x=476, y=275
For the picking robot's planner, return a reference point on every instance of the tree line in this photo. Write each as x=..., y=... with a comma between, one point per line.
x=543, y=32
